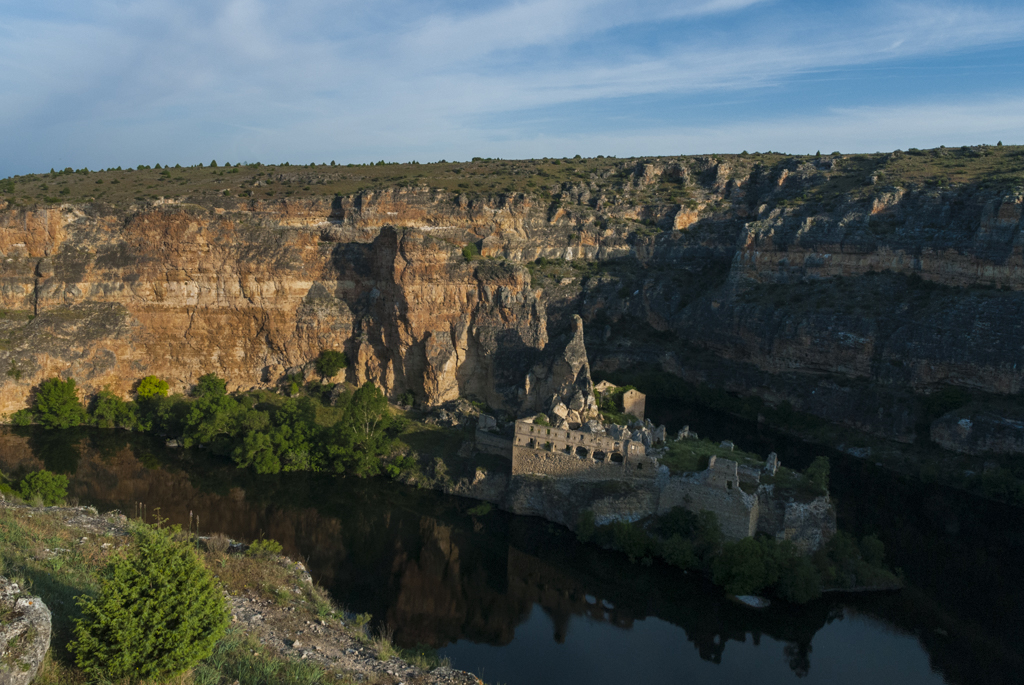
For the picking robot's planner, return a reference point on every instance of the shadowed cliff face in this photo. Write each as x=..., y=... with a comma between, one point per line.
x=802, y=281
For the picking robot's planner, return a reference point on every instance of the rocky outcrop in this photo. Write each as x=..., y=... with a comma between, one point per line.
x=563, y=500
x=979, y=432
x=24, y=634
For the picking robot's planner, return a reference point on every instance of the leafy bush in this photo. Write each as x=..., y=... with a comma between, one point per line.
x=110, y=411
x=57, y=404
x=470, y=252
x=151, y=386
x=22, y=417
x=159, y=612
x=51, y=488
x=745, y=566
x=210, y=385
x=264, y=548
x=541, y=420
x=330, y=362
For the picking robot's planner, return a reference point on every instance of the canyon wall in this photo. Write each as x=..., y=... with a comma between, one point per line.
x=807, y=282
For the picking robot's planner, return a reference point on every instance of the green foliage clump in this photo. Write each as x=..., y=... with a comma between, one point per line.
x=358, y=441
x=481, y=509
x=57, y=404
x=110, y=411
x=51, y=488
x=264, y=548
x=159, y=612
x=330, y=362
x=151, y=386
x=210, y=385
x=22, y=417
x=470, y=252
x=541, y=420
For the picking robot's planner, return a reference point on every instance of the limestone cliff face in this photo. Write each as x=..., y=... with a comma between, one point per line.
x=251, y=292
x=759, y=279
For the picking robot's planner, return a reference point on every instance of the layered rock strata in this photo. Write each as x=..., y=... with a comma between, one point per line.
x=807, y=282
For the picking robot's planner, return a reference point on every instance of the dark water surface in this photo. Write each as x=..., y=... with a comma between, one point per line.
x=518, y=601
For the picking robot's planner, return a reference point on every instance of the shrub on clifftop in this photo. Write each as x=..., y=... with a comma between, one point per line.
x=159, y=612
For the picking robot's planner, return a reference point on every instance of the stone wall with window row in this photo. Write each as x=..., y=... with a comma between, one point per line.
x=551, y=451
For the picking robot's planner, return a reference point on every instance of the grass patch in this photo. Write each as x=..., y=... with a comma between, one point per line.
x=687, y=456
x=240, y=658
x=482, y=509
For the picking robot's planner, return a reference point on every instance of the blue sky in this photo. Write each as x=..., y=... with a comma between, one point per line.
x=103, y=83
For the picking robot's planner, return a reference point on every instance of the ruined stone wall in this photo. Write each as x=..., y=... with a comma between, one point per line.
x=808, y=525
x=560, y=452
x=526, y=460
x=634, y=402
x=489, y=443
x=737, y=511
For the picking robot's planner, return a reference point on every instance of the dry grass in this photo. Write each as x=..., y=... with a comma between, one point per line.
x=218, y=543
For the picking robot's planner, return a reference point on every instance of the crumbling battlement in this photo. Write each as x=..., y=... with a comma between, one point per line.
x=550, y=451
x=716, y=489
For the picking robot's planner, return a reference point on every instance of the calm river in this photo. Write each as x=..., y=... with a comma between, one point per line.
x=518, y=601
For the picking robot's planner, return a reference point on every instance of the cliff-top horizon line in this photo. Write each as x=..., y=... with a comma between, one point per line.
x=942, y=166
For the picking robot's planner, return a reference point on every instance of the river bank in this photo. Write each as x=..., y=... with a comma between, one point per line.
x=277, y=610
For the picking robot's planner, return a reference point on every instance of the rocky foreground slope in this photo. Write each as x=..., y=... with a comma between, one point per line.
x=883, y=292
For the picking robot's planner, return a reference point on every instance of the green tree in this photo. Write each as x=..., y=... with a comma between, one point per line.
x=330, y=362
x=361, y=437
x=257, y=450
x=214, y=420
x=57, y=404
x=742, y=568
x=798, y=581
x=159, y=612
x=110, y=411
x=51, y=488
x=151, y=386
x=210, y=385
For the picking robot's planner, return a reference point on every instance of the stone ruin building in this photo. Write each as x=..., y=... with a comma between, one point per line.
x=552, y=451
x=576, y=446
x=633, y=401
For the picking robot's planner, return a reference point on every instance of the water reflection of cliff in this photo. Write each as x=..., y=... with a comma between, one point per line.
x=437, y=574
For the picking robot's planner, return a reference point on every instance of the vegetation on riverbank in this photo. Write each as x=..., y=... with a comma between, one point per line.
x=310, y=427
x=62, y=554
x=694, y=542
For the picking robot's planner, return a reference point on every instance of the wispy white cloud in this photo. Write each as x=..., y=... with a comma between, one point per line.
x=118, y=80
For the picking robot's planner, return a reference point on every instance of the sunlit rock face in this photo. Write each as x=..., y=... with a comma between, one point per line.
x=807, y=282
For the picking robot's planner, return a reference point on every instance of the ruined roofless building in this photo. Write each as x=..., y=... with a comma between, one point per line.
x=553, y=451
x=633, y=401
